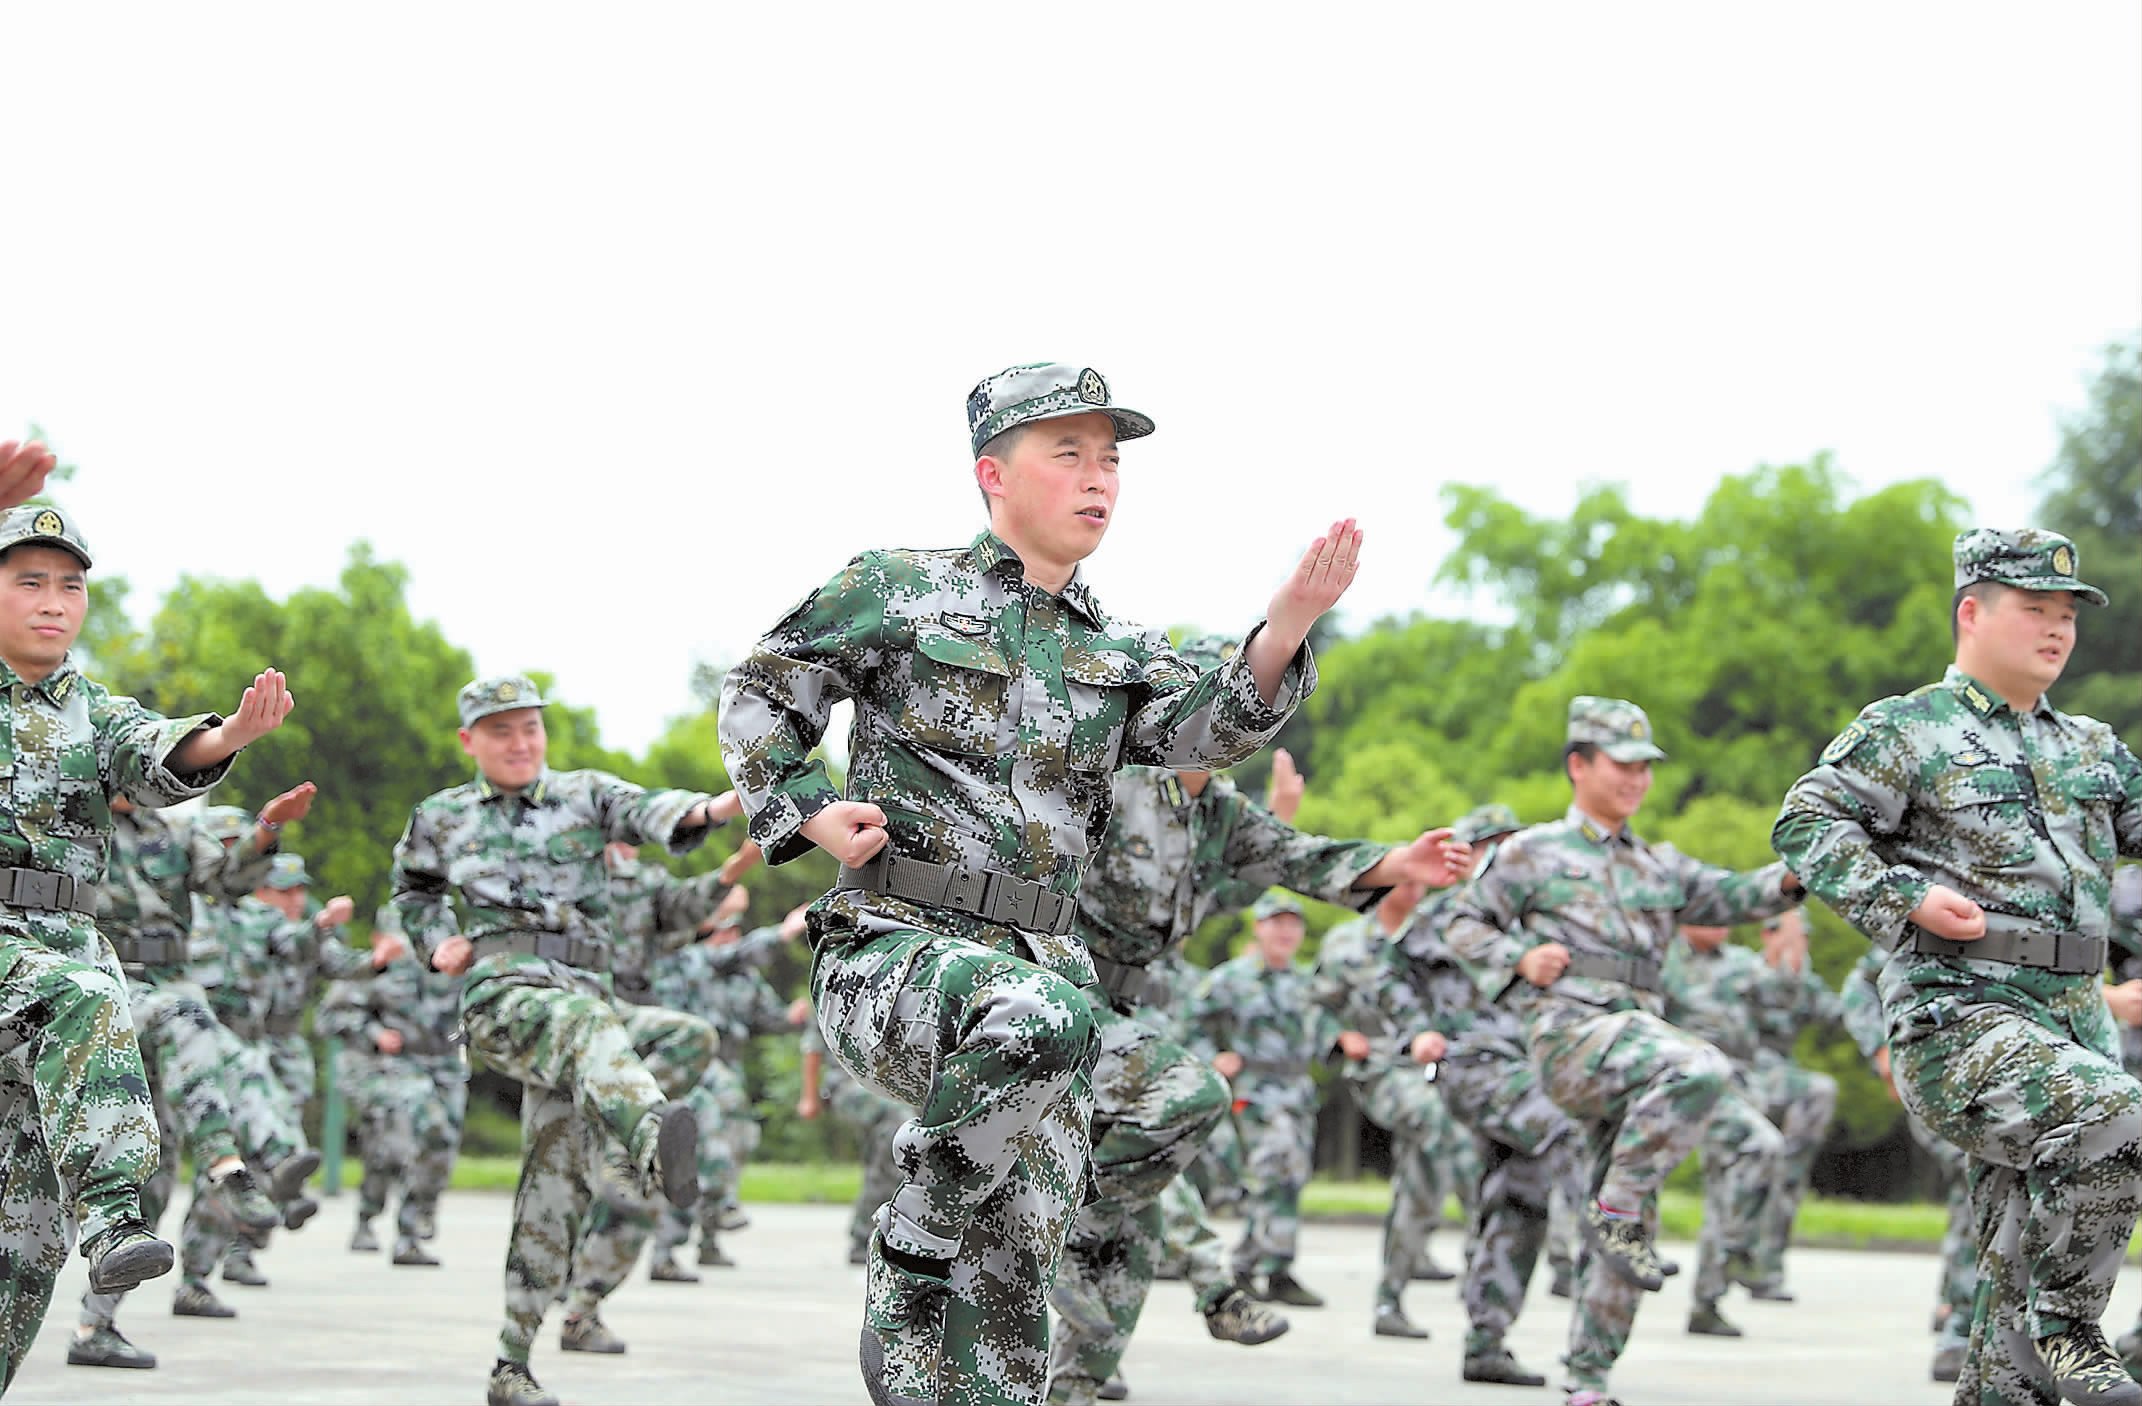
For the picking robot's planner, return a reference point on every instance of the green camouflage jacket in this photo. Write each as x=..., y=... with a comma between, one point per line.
x=1719, y=996
x=1859, y=1003
x=526, y=863
x=157, y=862
x=1447, y=988
x=1360, y=978
x=654, y=912
x=1607, y=895
x=303, y=958
x=1169, y=858
x=2024, y=814
x=68, y=746
x=990, y=718
x=421, y=1005
x=1267, y=1017
x=243, y=988
x=1796, y=1001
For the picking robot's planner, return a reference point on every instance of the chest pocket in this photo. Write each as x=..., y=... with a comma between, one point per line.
x=581, y=843
x=2093, y=795
x=959, y=692
x=1984, y=809
x=1099, y=683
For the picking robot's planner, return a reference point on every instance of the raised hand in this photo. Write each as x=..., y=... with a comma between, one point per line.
x=742, y=862
x=293, y=804
x=1544, y=964
x=453, y=955
x=1434, y=859
x=336, y=911
x=23, y=469
x=851, y=831
x=1283, y=797
x=266, y=703
x=1319, y=579
x=1946, y=913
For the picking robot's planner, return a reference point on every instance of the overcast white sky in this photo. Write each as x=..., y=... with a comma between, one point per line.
x=622, y=325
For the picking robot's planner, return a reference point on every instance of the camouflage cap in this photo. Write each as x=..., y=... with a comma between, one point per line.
x=1205, y=653
x=1044, y=390
x=287, y=871
x=44, y=524
x=1275, y=904
x=2028, y=558
x=1615, y=725
x=1493, y=818
x=502, y=693
x=225, y=822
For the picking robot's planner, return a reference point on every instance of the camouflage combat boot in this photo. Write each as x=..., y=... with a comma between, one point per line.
x=194, y=1299
x=732, y=1217
x=1624, y=1244
x=1391, y=1322
x=903, y=1332
x=512, y=1384
x=238, y=1268
x=1280, y=1286
x=125, y=1255
x=669, y=1160
x=663, y=1268
x=2085, y=1369
x=712, y=1255
x=286, y=1183
x=587, y=1334
x=1705, y=1320
x=241, y=1197
x=365, y=1240
x=409, y=1252
x=107, y=1347
x=1114, y=1389
x=1238, y=1318
x=1497, y=1365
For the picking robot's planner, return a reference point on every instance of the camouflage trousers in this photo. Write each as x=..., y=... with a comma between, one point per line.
x=408, y=1111
x=875, y=1120
x=1741, y=1152
x=290, y=1061
x=993, y=1051
x=1799, y=1102
x=1529, y=1150
x=1432, y=1159
x=1957, y=1288
x=1153, y=1104
x=2053, y=1129
x=1190, y=1244
x=1642, y=1090
x=728, y=1135
x=1277, y=1120
x=269, y=1131
x=77, y=1126
x=186, y=1052
x=587, y=1102
x=1217, y=1173
x=618, y=1215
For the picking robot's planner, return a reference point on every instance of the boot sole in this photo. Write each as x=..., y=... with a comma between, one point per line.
x=1531, y=1379
x=289, y=1177
x=136, y=1364
x=128, y=1268
x=872, y=1355
x=1619, y=1267
x=677, y=1148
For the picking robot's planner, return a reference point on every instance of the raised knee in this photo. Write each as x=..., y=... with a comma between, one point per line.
x=1050, y=1019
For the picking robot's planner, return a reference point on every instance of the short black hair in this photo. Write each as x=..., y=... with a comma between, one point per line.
x=1586, y=750
x=999, y=447
x=1980, y=591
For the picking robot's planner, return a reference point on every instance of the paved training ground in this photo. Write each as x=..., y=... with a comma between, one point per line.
x=338, y=1327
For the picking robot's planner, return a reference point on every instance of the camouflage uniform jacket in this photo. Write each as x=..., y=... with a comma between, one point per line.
x=2126, y=966
x=246, y=929
x=1169, y=983
x=1359, y=978
x=157, y=861
x=68, y=747
x=1859, y=1003
x=303, y=956
x=691, y=978
x=745, y=1004
x=421, y=1005
x=990, y=717
x=1795, y=1001
x=1719, y=996
x=2024, y=814
x=1600, y=894
x=1169, y=857
x=530, y=862
x=653, y=912
x=1447, y=987
x=1266, y=1016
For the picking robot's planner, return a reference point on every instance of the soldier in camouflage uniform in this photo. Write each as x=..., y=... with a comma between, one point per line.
x=1972, y=829
x=1569, y=928
x=1799, y=1101
x=521, y=847
x=2124, y=999
x=144, y=911
x=1713, y=991
x=408, y=1090
x=78, y=1133
x=1860, y=1009
x=1358, y=979
x=1530, y=1150
x=873, y=1118
x=993, y=698
x=1180, y=846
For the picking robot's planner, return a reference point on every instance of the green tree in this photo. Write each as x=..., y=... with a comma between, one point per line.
x=2093, y=493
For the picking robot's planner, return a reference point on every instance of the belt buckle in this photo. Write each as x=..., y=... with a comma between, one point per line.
x=35, y=888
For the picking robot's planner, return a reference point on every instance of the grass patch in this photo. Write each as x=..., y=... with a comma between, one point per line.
x=1846, y=1224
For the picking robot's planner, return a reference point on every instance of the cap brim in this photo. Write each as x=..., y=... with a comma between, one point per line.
x=2057, y=583
x=1632, y=751
x=481, y=713
x=63, y=544
x=1129, y=423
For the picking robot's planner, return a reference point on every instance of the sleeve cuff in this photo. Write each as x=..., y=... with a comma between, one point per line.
x=777, y=829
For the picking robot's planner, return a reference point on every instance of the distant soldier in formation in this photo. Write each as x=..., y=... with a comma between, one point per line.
x=873, y=1118
x=1798, y=1100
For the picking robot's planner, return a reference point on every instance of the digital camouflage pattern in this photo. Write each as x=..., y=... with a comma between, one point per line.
x=654, y=913
x=1022, y=395
x=480, y=863
x=2028, y=558
x=1797, y=1100
x=2025, y=814
x=1270, y=1018
x=989, y=717
x=79, y=1120
x=1642, y=1090
x=408, y=1107
x=874, y=1119
x=1528, y=1147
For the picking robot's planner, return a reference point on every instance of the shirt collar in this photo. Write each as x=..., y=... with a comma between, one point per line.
x=1598, y=833
x=538, y=794
x=55, y=686
x=991, y=555
x=1983, y=700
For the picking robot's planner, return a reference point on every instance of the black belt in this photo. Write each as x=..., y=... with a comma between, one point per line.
x=982, y=893
x=1640, y=972
x=40, y=888
x=2012, y=940
x=149, y=950
x=1121, y=980
x=285, y=1024
x=635, y=988
x=585, y=953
